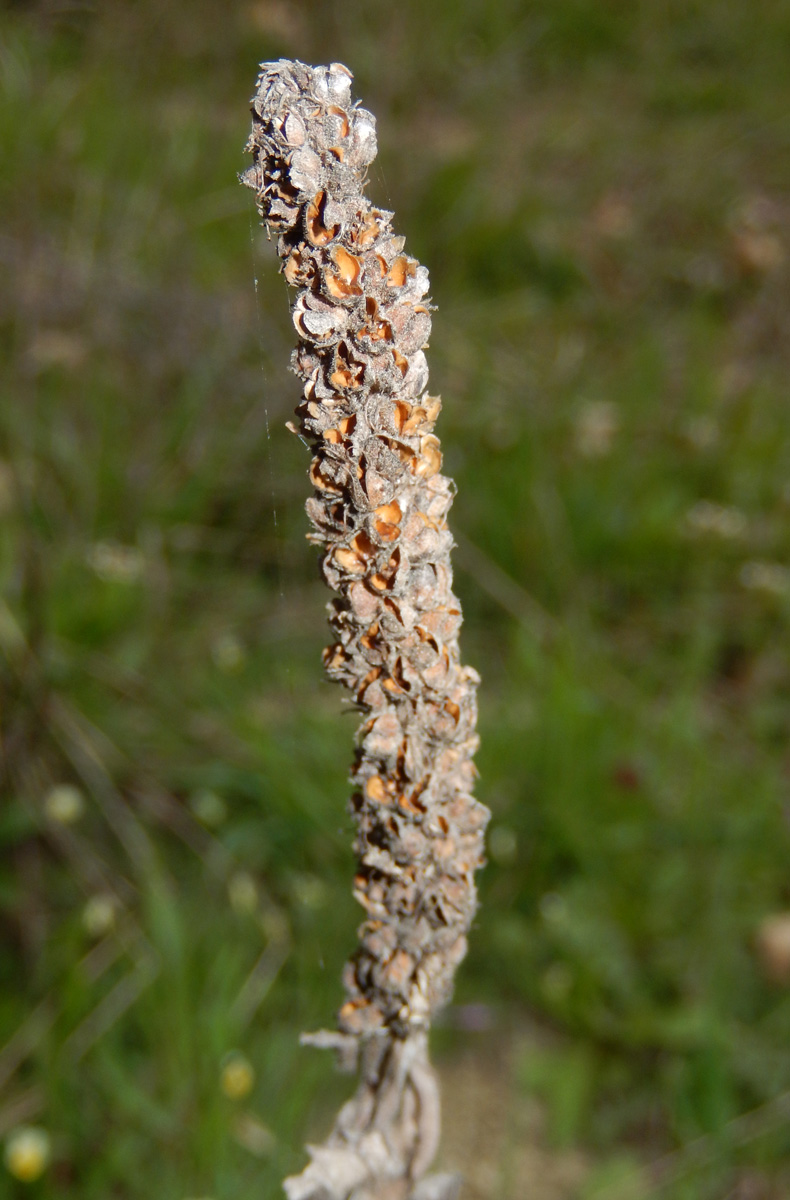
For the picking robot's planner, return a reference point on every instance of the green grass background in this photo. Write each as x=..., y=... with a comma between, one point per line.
x=601, y=191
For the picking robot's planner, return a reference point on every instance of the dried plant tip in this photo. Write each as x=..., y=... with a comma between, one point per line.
x=379, y=512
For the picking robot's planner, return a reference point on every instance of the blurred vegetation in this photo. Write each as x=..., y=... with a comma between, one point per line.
x=602, y=194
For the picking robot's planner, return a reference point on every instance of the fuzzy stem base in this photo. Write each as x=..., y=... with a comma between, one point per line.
x=386, y=1136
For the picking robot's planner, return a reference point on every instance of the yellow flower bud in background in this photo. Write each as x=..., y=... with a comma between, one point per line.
x=98, y=915
x=27, y=1153
x=64, y=804
x=237, y=1076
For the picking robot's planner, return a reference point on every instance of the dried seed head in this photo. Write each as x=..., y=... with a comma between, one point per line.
x=380, y=514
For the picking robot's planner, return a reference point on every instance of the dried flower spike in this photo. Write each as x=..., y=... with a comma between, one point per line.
x=379, y=515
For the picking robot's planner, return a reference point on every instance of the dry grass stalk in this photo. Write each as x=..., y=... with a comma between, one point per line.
x=379, y=514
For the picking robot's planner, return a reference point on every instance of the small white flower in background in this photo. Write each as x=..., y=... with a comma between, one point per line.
x=57, y=348
x=243, y=893
x=98, y=915
x=706, y=519
x=597, y=425
x=27, y=1153
x=228, y=653
x=702, y=432
x=115, y=563
x=309, y=890
x=251, y=1133
x=209, y=808
x=237, y=1076
x=553, y=907
x=772, y=578
x=502, y=844
x=64, y=804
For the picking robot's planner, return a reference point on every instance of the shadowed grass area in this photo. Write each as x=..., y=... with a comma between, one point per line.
x=602, y=195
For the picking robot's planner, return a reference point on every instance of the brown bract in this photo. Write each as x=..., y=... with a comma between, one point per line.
x=379, y=514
